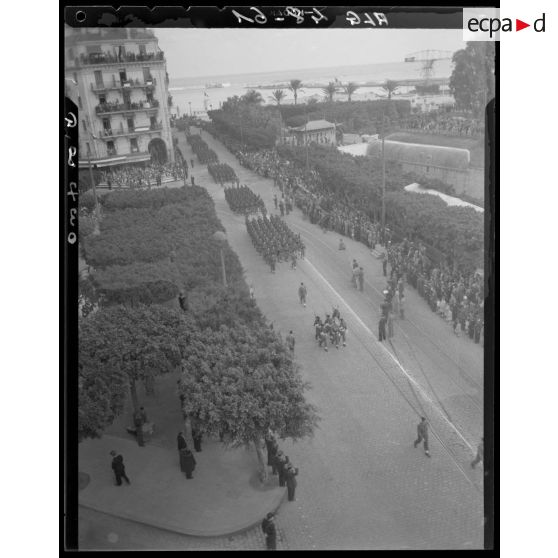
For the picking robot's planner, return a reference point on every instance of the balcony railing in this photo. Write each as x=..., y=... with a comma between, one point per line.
x=128, y=84
x=105, y=108
x=108, y=134
x=108, y=58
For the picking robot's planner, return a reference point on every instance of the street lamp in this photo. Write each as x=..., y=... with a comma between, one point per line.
x=221, y=237
x=190, y=105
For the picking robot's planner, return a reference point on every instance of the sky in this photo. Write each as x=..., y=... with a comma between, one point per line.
x=210, y=52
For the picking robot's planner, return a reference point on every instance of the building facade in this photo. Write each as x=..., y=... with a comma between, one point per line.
x=318, y=131
x=118, y=79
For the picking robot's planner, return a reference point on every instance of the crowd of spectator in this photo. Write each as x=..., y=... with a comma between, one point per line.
x=457, y=297
x=440, y=123
x=142, y=177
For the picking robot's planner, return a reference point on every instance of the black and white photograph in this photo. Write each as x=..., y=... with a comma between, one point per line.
x=283, y=293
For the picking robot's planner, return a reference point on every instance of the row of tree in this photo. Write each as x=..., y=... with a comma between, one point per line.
x=238, y=377
x=457, y=232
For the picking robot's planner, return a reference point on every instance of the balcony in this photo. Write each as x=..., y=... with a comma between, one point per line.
x=123, y=132
x=128, y=84
x=116, y=108
x=106, y=58
x=113, y=158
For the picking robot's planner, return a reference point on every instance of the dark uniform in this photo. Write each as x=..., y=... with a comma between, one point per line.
x=280, y=461
x=422, y=431
x=382, y=328
x=119, y=469
x=290, y=475
x=187, y=462
x=268, y=527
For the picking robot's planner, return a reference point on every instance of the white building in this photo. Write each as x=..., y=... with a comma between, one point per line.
x=118, y=80
x=319, y=131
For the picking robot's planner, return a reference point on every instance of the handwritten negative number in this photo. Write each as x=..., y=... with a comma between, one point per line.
x=259, y=18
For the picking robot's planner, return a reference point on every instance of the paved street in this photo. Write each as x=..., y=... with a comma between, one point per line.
x=361, y=483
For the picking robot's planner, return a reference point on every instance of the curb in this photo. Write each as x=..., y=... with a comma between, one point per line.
x=189, y=532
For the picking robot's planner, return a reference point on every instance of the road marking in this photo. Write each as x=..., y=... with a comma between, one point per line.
x=395, y=360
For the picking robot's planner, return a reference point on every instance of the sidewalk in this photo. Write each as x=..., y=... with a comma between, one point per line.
x=223, y=498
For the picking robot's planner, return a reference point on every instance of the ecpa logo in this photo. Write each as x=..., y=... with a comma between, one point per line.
x=482, y=24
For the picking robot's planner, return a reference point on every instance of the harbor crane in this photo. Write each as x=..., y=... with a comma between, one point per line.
x=428, y=58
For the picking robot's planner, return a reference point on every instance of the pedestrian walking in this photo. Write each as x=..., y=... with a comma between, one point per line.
x=384, y=265
x=192, y=180
x=187, y=462
x=290, y=475
x=382, y=328
x=480, y=454
x=291, y=342
x=422, y=431
x=302, y=292
x=119, y=469
x=270, y=531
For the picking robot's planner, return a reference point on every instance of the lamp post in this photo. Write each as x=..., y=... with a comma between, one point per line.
x=221, y=237
x=383, y=177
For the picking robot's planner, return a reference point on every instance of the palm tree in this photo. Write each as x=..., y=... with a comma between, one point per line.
x=278, y=95
x=295, y=86
x=329, y=90
x=252, y=97
x=350, y=88
x=390, y=86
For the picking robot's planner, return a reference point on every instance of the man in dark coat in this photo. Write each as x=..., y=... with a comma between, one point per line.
x=187, y=462
x=280, y=462
x=382, y=328
x=272, y=448
x=268, y=527
x=197, y=437
x=181, y=441
x=422, y=431
x=118, y=468
x=290, y=474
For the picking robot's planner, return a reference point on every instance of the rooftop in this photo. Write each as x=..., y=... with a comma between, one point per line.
x=314, y=125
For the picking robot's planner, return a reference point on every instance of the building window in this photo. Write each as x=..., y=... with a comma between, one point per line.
x=147, y=74
x=123, y=76
x=111, y=150
x=134, y=145
x=99, y=79
x=142, y=49
x=102, y=99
